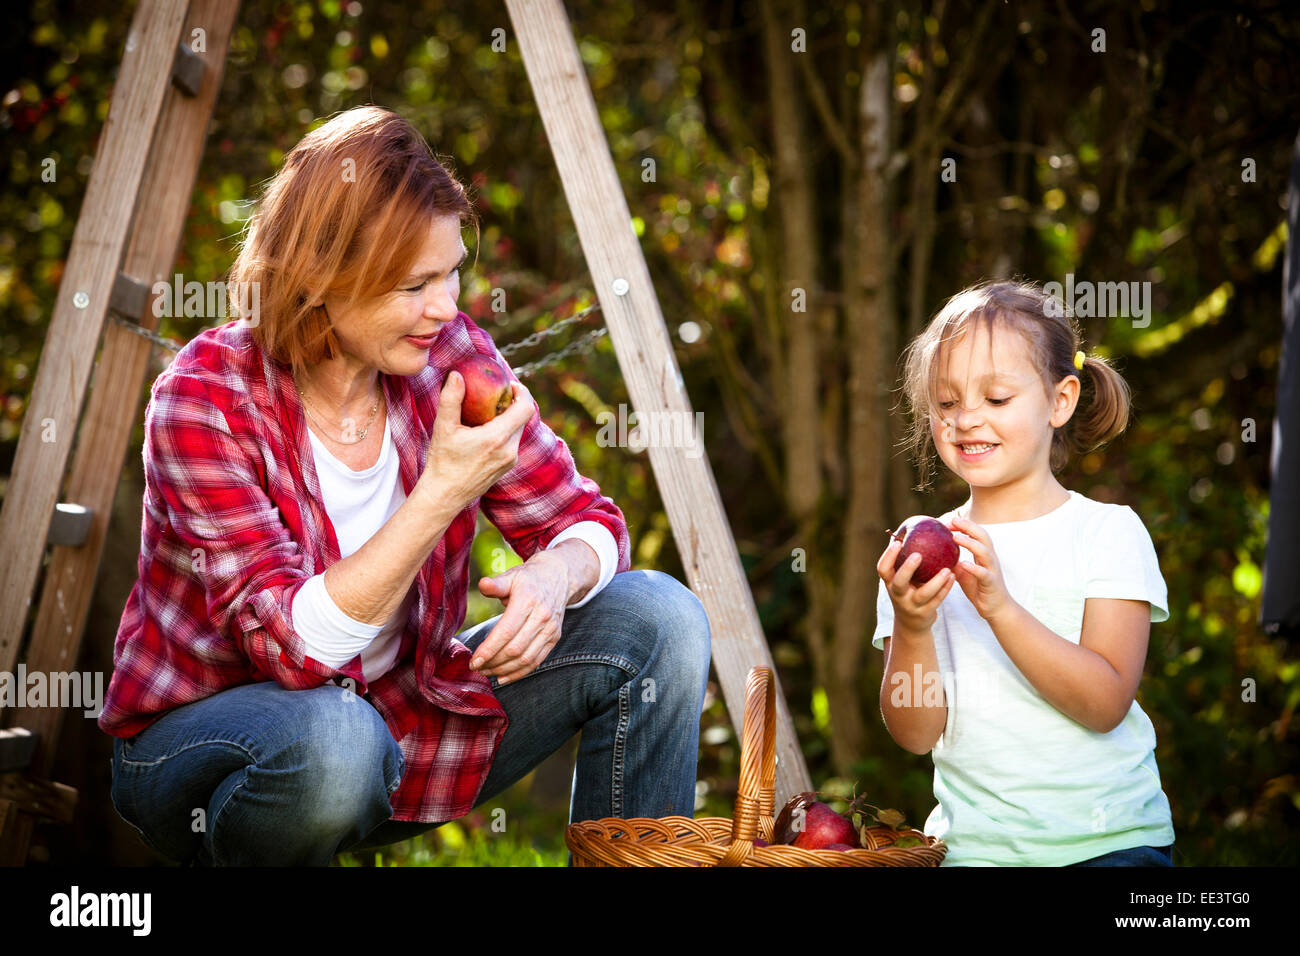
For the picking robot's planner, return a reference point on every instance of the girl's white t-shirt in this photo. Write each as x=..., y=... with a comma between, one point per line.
x=1018, y=782
x=358, y=504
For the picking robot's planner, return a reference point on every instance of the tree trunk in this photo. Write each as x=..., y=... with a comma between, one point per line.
x=986, y=182
x=798, y=256
x=791, y=187
x=871, y=348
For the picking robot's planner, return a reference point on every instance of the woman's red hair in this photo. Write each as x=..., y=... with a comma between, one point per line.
x=347, y=214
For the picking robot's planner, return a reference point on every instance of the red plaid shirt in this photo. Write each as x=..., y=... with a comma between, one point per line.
x=234, y=524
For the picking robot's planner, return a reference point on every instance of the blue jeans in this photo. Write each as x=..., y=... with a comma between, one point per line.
x=261, y=775
x=1135, y=856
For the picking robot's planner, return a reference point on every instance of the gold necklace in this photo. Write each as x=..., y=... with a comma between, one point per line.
x=361, y=435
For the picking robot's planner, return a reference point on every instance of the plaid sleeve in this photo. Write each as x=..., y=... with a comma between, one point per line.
x=544, y=494
x=230, y=534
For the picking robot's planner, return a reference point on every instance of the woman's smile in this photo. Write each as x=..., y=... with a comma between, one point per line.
x=422, y=341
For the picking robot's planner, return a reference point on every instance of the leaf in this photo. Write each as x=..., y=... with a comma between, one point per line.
x=890, y=818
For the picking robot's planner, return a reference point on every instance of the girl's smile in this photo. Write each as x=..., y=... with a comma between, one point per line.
x=972, y=452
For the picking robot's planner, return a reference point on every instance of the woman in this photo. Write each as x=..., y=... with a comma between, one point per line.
x=288, y=678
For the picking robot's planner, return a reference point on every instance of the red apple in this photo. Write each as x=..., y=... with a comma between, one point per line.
x=823, y=827
x=924, y=535
x=781, y=829
x=487, y=389
x=841, y=846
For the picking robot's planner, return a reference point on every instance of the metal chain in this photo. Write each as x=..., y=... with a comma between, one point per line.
x=584, y=344
x=555, y=329
x=139, y=330
x=577, y=346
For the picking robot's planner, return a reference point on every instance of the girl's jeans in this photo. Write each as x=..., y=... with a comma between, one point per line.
x=261, y=775
x=1136, y=856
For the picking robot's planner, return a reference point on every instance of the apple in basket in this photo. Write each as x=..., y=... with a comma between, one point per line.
x=825, y=829
x=807, y=823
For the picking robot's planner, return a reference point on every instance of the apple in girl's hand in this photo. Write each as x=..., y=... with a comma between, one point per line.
x=924, y=535
x=487, y=389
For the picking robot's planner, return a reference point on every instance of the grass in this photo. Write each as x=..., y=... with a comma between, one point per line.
x=453, y=844
x=513, y=829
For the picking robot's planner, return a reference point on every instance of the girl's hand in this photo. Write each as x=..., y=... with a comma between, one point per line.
x=982, y=581
x=915, y=608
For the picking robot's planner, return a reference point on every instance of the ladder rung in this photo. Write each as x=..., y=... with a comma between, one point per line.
x=16, y=748
x=187, y=70
x=41, y=798
x=129, y=298
x=70, y=525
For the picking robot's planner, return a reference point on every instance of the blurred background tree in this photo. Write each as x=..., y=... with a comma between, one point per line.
x=810, y=184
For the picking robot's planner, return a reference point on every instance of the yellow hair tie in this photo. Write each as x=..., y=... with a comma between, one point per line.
x=1078, y=360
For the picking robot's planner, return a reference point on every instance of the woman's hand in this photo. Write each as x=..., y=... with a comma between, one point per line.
x=982, y=581
x=915, y=608
x=535, y=594
x=463, y=462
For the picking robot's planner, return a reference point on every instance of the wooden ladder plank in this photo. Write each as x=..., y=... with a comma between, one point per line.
x=79, y=309
x=645, y=355
x=112, y=406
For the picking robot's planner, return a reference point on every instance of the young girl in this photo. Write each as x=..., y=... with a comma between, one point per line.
x=1021, y=680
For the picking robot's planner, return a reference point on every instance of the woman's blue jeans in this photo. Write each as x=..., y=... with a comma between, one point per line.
x=260, y=775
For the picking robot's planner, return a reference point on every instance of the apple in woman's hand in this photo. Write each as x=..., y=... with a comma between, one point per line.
x=487, y=389
x=931, y=539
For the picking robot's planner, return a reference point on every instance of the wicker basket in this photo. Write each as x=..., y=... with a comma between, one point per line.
x=717, y=841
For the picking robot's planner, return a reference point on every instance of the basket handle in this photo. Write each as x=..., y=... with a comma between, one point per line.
x=755, y=799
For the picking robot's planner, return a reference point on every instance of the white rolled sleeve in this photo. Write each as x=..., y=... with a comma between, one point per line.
x=602, y=542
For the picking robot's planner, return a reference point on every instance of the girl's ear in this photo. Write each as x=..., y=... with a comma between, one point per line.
x=1066, y=397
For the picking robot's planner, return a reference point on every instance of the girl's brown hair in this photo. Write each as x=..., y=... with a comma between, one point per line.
x=346, y=214
x=1052, y=337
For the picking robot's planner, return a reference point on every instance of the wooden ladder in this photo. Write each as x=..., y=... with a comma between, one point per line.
x=127, y=238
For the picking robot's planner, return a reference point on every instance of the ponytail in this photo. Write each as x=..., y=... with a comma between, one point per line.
x=1105, y=416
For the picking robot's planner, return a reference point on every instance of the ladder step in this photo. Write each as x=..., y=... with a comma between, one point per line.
x=45, y=799
x=130, y=297
x=70, y=525
x=187, y=70
x=16, y=748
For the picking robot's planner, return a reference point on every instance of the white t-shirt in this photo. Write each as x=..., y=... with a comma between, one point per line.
x=1018, y=782
x=358, y=504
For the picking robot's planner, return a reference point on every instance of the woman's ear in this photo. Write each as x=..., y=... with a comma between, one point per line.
x=1066, y=397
